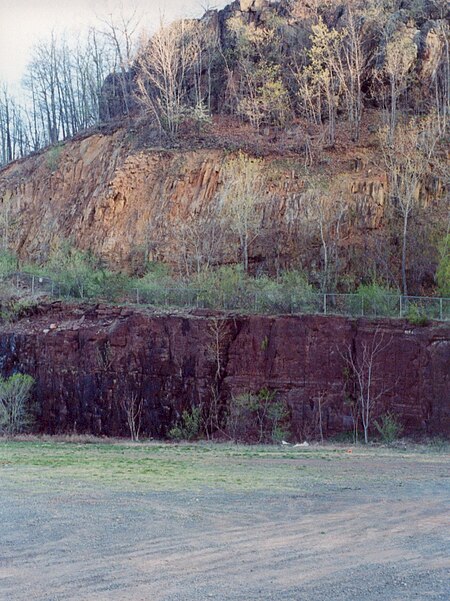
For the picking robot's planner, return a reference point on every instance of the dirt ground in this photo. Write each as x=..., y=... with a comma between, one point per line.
x=174, y=523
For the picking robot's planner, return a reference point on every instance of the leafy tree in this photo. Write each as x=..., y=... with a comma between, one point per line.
x=322, y=80
x=255, y=80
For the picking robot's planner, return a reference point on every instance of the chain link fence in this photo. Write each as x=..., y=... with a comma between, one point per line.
x=269, y=302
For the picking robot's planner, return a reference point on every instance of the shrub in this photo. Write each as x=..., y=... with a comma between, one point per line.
x=373, y=299
x=256, y=418
x=443, y=270
x=12, y=310
x=74, y=271
x=417, y=316
x=439, y=444
x=53, y=156
x=231, y=287
x=153, y=286
x=189, y=427
x=112, y=286
x=296, y=288
x=388, y=428
x=226, y=286
x=8, y=263
x=15, y=415
x=80, y=275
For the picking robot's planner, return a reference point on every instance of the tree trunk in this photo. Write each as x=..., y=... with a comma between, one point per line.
x=404, y=251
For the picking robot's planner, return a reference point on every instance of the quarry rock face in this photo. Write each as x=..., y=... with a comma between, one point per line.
x=105, y=197
x=86, y=359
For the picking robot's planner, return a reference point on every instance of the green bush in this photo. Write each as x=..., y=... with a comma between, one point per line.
x=15, y=414
x=443, y=270
x=189, y=427
x=8, y=263
x=156, y=286
x=389, y=428
x=73, y=271
x=373, y=300
x=257, y=418
x=226, y=286
x=417, y=316
x=296, y=288
x=112, y=286
x=53, y=157
x=13, y=310
x=231, y=287
x=80, y=275
x=439, y=444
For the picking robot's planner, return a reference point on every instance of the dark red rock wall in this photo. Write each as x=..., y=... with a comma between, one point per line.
x=85, y=359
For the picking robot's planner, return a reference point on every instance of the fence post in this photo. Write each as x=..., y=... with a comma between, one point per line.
x=137, y=296
x=362, y=306
x=32, y=285
x=441, y=309
x=401, y=306
x=325, y=304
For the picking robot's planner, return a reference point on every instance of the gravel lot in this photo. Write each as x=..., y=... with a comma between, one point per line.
x=190, y=523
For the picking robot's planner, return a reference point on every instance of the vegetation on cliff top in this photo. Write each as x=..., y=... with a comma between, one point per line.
x=312, y=73
x=322, y=64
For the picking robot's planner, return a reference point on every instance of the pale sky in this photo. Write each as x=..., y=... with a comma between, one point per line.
x=25, y=22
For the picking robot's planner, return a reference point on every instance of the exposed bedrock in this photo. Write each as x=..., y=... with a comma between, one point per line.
x=85, y=359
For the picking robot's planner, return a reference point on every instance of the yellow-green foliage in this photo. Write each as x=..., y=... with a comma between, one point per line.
x=443, y=270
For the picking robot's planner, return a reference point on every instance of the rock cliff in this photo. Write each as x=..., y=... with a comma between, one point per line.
x=123, y=203
x=85, y=359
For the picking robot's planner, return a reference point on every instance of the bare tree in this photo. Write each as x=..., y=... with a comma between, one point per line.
x=320, y=400
x=200, y=240
x=407, y=158
x=401, y=53
x=441, y=75
x=133, y=407
x=363, y=365
x=218, y=332
x=120, y=30
x=6, y=126
x=64, y=82
x=9, y=224
x=356, y=57
x=241, y=198
x=166, y=63
x=323, y=216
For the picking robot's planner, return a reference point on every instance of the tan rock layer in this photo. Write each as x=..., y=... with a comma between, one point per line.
x=106, y=198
